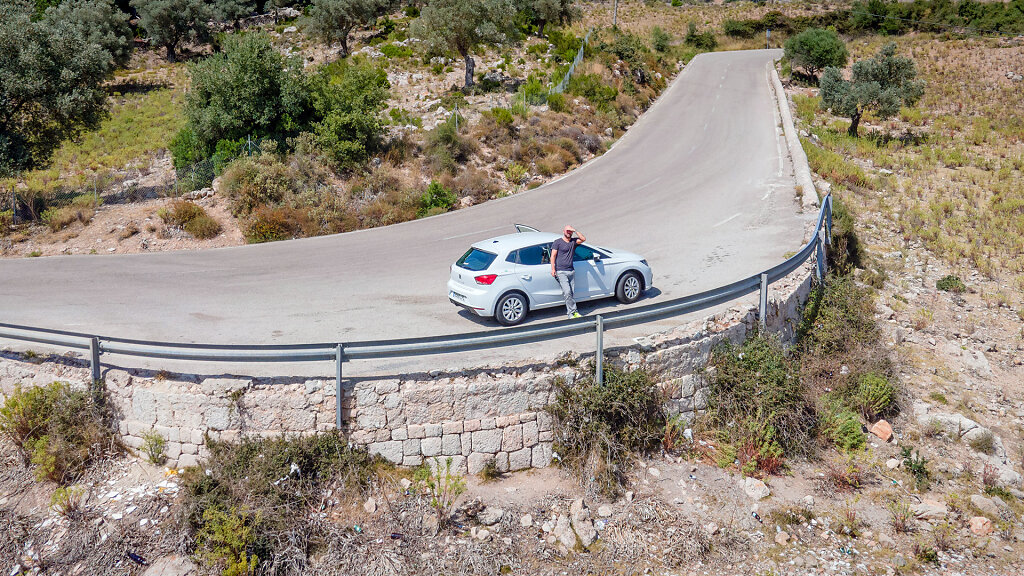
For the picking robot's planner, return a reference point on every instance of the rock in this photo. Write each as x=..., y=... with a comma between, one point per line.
x=654, y=472
x=929, y=510
x=807, y=501
x=608, y=132
x=405, y=483
x=899, y=561
x=466, y=202
x=981, y=526
x=563, y=532
x=781, y=538
x=883, y=430
x=756, y=489
x=483, y=534
x=604, y=511
x=430, y=523
x=172, y=566
x=290, y=30
x=986, y=505
x=892, y=463
x=711, y=529
x=490, y=516
x=885, y=540
x=977, y=364
x=370, y=506
x=526, y=521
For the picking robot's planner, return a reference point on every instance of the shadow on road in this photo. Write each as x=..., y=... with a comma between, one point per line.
x=590, y=308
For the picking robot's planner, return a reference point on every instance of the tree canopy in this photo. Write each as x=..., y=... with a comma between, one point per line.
x=171, y=22
x=815, y=49
x=51, y=75
x=333, y=20
x=544, y=12
x=100, y=22
x=233, y=10
x=462, y=26
x=882, y=84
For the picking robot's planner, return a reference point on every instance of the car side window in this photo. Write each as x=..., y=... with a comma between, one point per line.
x=535, y=255
x=583, y=253
x=513, y=257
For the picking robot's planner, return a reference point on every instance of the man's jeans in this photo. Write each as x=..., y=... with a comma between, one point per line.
x=567, y=280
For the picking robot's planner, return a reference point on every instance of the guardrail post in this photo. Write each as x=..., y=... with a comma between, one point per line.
x=762, y=314
x=94, y=359
x=823, y=243
x=338, y=360
x=818, y=259
x=600, y=350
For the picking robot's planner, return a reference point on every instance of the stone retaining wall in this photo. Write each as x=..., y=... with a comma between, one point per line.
x=473, y=416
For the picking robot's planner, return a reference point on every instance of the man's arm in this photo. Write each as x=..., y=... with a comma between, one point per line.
x=553, y=254
x=580, y=238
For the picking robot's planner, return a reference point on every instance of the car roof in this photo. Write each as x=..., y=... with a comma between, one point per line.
x=514, y=241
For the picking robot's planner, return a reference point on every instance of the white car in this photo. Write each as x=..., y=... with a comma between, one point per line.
x=507, y=276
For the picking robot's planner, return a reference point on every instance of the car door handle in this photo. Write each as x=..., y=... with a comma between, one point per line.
x=526, y=277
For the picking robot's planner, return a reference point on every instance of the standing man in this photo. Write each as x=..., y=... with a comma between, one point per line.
x=562, y=252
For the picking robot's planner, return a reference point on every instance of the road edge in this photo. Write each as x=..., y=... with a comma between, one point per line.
x=801, y=169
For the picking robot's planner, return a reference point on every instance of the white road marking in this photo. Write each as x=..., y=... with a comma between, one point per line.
x=473, y=233
x=729, y=219
x=769, y=193
x=639, y=188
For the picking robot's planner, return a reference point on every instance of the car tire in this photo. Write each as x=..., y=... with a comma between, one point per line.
x=511, y=309
x=629, y=288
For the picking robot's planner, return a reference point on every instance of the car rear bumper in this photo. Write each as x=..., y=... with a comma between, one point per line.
x=476, y=301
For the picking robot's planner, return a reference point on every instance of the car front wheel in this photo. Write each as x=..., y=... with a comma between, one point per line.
x=629, y=288
x=511, y=309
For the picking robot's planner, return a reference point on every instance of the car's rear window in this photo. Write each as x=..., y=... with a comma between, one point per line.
x=476, y=260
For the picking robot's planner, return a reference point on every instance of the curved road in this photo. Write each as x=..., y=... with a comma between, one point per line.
x=701, y=186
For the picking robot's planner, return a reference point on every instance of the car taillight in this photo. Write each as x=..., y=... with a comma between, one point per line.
x=487, y=279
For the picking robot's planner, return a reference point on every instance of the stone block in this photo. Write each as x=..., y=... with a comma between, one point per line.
x=501, y=461
x=544, y=421
x=396, y=417
x=390, y=450
x=528, y=417
x=487, y=441
x=222, y=387
x=545, y=436
x=382, y=435
x=188, y=460
x=197, y=437
x=432, y=430
x=472, y=425
x=476, y=461
x=169, y=434
x=136, y=428
x=411, y=446
x=400, y=434
x=218, y=417
x=392, y=401
x=467, y=443
x=451, y=444
x=189, y=449
x=132, y=441
x=366, y=396
x=520, y=459
x=530, y=434
x=362, y=437
x=452, y=427
x=412, y=460
x=172, y=450
x=387, y=387
x=371, y=418
x=312, y=386
x=487, y=424
x=512, y=438
x=541, y=456
x=417, y=431
x=700, y=399
x=430, y=447
x=298, y=420
x=505, y=421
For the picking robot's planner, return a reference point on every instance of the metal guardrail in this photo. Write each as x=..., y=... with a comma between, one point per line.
x=339, y=353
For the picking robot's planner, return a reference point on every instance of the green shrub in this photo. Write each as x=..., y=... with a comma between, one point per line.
x=392, y=51
x=255, y=181
x=203, y=227
x=186, y=149
x=446, y=148
x=502, y=116
x=443, y=485
x=272, y=224
x=815, y=48
x=599, y=427
x=557, y=102
x=59, y=218
x=984, y=443
x=6, y=221
x=350, y=100
x=437, y=196
x=757, y=402
x=261, y=496
x=700, y=40
x=57, y=429
x=839, y=317
x=153, y=446
x=738, y=28
x=677, y=3
x=191, y=217
x=917, y=466
x=951, y=283
x=875, y=396
x=660, y=40
x=842, y=427
x=593, y=88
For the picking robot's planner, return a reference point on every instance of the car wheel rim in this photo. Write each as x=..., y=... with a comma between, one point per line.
x=512, y=309
x=632, y=287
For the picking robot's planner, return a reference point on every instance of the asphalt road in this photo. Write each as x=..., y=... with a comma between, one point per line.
x=700, y=185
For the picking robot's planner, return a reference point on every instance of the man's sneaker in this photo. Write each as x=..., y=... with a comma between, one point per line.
x=575, y=315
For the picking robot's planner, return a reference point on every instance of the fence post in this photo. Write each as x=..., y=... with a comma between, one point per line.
x=94, y=359
x=600, y=350
x=762, y=314
x=338, y=352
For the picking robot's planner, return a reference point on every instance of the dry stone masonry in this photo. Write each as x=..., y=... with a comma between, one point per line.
x=474, y=416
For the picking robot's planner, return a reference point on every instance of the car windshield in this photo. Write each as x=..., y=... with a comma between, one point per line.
x=476, y=260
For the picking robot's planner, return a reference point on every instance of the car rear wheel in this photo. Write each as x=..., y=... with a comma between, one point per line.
x=511, y=309
x=629, y=288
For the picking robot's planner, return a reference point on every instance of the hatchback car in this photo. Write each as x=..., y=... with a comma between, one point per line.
x=507, y=276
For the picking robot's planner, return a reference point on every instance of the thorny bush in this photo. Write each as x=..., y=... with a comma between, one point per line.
x=598, y=427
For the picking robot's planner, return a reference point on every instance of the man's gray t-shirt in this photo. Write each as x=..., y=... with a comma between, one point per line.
x=564, y=253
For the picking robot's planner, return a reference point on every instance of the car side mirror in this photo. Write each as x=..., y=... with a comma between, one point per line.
x=597, y=257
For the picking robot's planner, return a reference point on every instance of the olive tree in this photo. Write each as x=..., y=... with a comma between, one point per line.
x=462, y=26
x=171, y=22
x=99, y=22
x=815, y=49
x=51, y=84
x=544, y=12
x=233, y=10
x=881, y=84
x=333, y=20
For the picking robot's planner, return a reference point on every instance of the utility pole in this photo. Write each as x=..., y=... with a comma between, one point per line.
x=767, y=37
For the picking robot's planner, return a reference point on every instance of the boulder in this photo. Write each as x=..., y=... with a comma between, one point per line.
x=756, y=489
x=986, y=505
x=172, y=566
x=883, y=430
x=929, y=510
x=563, y=532
x=781, y=538
x=490, y=516
x=581, y=523
x=981, y=526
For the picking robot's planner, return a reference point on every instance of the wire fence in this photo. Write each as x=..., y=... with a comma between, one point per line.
x=572, y=67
